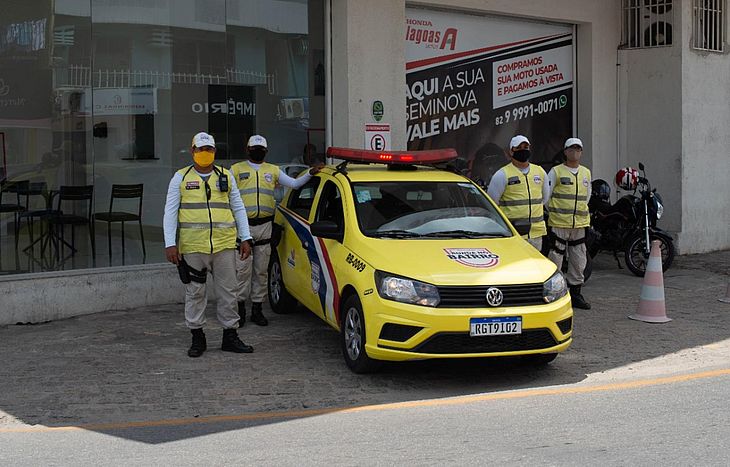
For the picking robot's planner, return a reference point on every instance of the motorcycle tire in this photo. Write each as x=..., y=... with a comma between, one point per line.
x=636, y=259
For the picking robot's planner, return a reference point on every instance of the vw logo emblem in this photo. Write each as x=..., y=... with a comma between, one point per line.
x=494, y=296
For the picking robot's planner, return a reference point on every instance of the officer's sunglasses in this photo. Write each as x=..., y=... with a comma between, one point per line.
x=575, y=147
x=207, y=191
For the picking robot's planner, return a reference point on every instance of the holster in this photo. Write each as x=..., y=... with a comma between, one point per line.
x=190, y=274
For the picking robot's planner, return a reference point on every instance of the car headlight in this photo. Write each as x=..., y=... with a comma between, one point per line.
x=659, y=210
x=554, y=288
x=406, y=290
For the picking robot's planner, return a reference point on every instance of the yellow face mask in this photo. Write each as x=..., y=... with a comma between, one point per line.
x=204, y=158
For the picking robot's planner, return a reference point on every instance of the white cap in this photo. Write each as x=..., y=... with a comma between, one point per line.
x=257, y=140
x=572, y=142
x=517, y=140
x=203, y=139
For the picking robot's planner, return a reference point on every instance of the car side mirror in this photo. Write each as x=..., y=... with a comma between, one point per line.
x=326, y=229
x=641, y=166
x=522, y=229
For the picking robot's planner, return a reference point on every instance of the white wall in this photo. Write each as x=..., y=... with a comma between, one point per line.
x=35, y=298
x=368, y=64
x=705, y=146
x=651, y=122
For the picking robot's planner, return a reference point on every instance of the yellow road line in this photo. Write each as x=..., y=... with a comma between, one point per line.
x=462, y=400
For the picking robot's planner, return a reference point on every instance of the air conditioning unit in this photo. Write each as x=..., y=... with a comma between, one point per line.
x=647, y=23
x=64, y=35
x=657, y=22
x=160, y=38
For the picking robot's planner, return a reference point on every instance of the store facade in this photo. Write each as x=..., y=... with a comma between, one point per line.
x=104, y=92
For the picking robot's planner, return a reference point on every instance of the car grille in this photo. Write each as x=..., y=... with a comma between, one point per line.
x=475, y=296
x=457, y=343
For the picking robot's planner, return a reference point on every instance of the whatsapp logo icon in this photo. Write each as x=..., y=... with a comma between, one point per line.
x=563, y=101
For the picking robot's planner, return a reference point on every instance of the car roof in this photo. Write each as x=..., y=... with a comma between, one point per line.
x=381, y=173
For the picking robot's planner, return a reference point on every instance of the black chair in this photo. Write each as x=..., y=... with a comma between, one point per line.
x=125, y=192
x=14, y=208
x=77, y=196
x=31, y=212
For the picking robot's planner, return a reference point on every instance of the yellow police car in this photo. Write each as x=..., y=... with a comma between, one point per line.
x=410, y=261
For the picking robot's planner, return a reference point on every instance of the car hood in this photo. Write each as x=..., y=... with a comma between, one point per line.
x=498, y=261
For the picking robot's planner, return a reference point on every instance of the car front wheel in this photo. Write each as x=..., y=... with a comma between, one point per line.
x=352, y=332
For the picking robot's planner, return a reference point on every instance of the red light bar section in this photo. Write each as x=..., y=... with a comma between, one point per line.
x=433, y=156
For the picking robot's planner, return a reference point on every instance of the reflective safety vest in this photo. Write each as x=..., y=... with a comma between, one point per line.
x=205, y=220
x=522, y=198
x=257, y=187
x=568, y=205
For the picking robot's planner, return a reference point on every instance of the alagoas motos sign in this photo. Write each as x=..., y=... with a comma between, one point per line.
x=473, y=82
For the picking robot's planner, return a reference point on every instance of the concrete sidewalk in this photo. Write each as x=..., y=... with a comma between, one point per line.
x=131, y=366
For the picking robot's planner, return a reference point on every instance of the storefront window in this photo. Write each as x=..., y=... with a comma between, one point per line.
x=107, y=94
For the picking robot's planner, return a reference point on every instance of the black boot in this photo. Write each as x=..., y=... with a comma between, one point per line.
x=577, y=298
x=231, y=342
x=198, y=346
x=256, y=315
x=241, y=314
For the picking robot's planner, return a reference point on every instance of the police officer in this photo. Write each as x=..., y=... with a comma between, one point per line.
x=570, y=191
x=520, y=188
x=256, y=181
x=204, y=207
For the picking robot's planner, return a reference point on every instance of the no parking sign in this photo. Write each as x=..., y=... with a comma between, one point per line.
x=377, y=137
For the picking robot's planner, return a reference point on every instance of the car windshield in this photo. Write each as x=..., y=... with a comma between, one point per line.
x=426, y=210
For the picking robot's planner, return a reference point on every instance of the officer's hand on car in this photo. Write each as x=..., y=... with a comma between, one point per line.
x=315, y=169
x=172, y=254
x=244, y=249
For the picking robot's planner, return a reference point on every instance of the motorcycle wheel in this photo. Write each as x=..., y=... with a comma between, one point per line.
x=636, y=259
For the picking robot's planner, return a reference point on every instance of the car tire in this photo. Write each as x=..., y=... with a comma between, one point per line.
x=353, y=337
x=280, y=300
x=539, y=359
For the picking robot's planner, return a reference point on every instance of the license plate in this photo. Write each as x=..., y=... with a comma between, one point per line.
x=495, y=326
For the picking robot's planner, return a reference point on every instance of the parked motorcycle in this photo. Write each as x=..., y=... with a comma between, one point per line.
x=630, y=224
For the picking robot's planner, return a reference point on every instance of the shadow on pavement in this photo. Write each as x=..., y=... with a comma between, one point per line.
x=107, y=371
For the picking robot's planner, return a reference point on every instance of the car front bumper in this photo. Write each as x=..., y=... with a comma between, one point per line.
x=398, y=331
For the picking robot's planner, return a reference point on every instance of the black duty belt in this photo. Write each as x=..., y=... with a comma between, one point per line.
x=260, y=220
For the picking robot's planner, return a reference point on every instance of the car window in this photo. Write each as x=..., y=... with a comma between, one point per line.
x=301, y=200
x=426, y=209
x=295, y=170
x=330, y=205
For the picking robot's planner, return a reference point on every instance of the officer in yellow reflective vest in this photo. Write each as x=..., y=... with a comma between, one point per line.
x=256, y=181
x=520, y=189
x=570, y=191
x=203, y=218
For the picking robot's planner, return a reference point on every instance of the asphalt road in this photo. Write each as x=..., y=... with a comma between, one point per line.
x=668, y=421
x=116, y=388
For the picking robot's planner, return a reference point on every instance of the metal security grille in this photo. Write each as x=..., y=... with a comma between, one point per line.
x=708, y=27
x=647, y=23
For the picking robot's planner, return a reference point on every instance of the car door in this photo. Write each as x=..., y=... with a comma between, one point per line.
x=296, y=239
x=331, y=253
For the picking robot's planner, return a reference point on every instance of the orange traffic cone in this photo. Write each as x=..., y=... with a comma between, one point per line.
x=726, y=299
x=652, y=308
